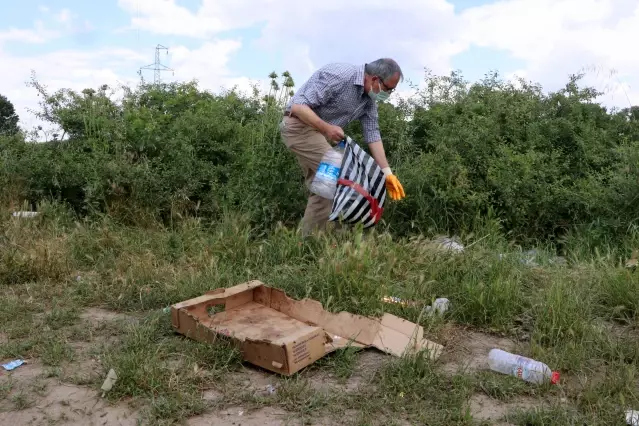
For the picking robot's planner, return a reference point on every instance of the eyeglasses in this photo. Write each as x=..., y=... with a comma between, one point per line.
x=386, y=88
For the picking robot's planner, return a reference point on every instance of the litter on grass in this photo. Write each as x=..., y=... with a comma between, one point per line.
x=109, y=382
x=270, y=390
x=439, y=306
x=25, y=214
x=13, y=364
x=397, y=300
x=533, y=259
x=450, y=244
x=523, y=368
x=285, y=335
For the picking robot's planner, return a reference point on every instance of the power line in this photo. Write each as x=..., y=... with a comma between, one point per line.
x=157, y=67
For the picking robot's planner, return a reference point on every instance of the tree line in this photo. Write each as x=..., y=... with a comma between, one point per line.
x=540, y=163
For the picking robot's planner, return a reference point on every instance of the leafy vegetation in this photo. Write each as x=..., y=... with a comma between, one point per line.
x=579, y=317
x=171, y=191
x=543, y=164
x=8, y=117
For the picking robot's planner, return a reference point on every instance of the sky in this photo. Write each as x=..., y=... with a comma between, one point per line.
x=75, y=44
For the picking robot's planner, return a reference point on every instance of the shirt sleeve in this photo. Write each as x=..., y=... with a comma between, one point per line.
x=370, y=124
x=318, y=90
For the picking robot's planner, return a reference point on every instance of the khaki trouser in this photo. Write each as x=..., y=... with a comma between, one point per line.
x=309, y=146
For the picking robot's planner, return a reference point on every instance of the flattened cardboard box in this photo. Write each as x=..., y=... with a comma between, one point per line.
x=285, y=335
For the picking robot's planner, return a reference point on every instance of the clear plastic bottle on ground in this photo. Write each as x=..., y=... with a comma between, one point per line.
x=519, y=366
x=325, y=181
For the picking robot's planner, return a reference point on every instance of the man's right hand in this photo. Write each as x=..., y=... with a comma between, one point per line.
x=333, y=133
x=304, y=113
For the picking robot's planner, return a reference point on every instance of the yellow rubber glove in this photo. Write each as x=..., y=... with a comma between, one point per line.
x=393, y=186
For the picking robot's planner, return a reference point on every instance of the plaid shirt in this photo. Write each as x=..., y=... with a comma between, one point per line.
x=335, y=93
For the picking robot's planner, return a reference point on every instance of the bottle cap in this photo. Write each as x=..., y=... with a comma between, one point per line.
x=554, y=377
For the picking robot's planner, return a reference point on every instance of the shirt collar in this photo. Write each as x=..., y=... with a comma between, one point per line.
x=359, y=76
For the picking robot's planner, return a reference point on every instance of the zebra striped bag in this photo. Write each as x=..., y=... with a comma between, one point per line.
x=361, y=188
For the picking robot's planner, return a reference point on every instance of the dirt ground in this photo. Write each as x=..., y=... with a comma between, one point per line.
x=35, y=395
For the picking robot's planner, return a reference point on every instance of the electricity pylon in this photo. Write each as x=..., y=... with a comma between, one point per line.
x=157, y=67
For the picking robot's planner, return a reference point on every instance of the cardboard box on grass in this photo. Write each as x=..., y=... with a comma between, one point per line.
x=284, y=335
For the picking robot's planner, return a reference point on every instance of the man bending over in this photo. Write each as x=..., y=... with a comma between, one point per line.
x=314, y=118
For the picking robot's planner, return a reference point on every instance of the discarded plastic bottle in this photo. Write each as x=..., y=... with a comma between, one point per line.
x=521, y=367
x=325, y=181
x=439, y=306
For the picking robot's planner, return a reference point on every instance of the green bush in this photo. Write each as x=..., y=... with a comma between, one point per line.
x=542, y=163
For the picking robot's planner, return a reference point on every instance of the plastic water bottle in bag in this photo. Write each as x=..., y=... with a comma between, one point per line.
x=325, y=181
x=521, y=367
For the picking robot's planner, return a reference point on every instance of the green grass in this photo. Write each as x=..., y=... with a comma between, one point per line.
x=579, y=318
x=5, y=389
x=506, y=388
x=416, y=388
x=22, y=401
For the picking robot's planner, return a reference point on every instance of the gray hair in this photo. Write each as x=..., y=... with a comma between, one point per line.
x=384, y=68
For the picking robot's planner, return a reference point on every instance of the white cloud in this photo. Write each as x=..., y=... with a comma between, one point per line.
x=37, y=35
x=552, y=38
x=555, y=38
x=70, y=69
x=417, y=33
x=208, y=65
x=91, y=68
x=58, y=24
x=211, y=18
x=63, y=16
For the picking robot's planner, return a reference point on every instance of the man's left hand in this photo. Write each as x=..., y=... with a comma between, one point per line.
x=393, y=186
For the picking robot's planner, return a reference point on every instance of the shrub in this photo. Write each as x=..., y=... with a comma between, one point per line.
x=541, y=163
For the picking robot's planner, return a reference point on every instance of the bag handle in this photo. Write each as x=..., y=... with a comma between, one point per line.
x=376, y=210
